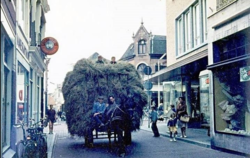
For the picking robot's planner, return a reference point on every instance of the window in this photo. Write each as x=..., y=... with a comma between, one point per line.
x=191, y=27
x=6, y=87
x=233, y=46
x=38, y=96
x=232, y=101
x=196, y=24
x=204, y=20
x=180, y=36
x=22, y=91
x=187, y=32
x=4, y=108
x=142, y=47
x=31, y=92
x=21, y=13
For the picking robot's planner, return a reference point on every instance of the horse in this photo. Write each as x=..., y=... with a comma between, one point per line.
x=118, y=121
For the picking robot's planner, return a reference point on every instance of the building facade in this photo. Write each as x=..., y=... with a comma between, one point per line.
x=208, y=62
x=8, y=71
x=147, y=50
x=187, y=58
x=23, y=62
x=229, y=61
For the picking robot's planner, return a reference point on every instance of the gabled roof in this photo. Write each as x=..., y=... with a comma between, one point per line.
x=158, y=44
x=141, y=28
x=129, y=52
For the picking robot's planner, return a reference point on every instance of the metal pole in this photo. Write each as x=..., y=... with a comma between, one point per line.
x=148, y=104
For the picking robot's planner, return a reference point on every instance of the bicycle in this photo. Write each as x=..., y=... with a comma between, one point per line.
x=37, y=135
x=25, y=147
x=35, y=144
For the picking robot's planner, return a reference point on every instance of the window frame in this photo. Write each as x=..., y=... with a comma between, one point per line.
x=197, y=27
x=142, y=46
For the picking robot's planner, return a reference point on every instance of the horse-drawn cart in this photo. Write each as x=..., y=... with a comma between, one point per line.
x=89, y=80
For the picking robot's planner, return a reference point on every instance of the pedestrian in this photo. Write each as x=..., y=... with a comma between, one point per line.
x=59, y=113
x=113, y=60
x=100, y=60
x=172, y=127
x=182, y=111
x=98, y=109
x=154, y=118
x=51, y=116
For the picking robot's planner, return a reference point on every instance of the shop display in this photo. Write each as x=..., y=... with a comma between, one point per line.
x=232, y=107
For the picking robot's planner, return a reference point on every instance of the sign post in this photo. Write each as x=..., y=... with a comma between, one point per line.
x=148, y=86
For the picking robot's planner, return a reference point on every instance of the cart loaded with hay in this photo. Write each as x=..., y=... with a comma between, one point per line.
x=86, y=82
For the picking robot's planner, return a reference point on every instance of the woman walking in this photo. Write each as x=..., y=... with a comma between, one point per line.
x=182, y=111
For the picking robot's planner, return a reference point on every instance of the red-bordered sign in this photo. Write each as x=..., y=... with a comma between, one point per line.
x=21, y=95
x=49, y=45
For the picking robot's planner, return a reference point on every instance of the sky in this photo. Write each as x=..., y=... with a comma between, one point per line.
x=83, y=27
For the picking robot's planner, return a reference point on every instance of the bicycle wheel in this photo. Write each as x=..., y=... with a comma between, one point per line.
x=30, y=149
x=20, y=149
x=42, y=146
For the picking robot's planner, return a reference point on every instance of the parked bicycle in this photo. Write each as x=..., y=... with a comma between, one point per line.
x=35, y=144
x=36, y=134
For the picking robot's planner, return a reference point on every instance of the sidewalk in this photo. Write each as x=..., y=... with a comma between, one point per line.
x=194, y=135
x=60, y=127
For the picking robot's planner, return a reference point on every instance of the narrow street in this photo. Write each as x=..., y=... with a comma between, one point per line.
x=144, y=145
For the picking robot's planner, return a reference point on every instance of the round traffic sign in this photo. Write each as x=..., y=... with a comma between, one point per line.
x=147, y=70
x=148, y=85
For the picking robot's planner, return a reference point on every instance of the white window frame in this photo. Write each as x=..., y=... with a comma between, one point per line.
x=204, y=19
x=188, y=42
x=180, y=43
x=196, y=24
x=191, y=28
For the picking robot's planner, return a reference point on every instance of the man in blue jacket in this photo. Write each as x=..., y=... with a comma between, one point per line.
x=98, y=110
x=154, y=118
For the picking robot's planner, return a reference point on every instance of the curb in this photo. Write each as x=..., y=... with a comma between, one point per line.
x=50, y=144
x=195, y=142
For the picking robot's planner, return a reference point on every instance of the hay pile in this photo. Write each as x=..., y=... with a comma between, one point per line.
x=88, y=80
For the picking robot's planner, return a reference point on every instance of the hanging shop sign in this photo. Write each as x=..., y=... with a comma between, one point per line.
x=49, y=45
x=245, y=74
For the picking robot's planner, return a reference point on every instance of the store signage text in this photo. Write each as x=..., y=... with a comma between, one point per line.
x=22, y=47
x=233, y=27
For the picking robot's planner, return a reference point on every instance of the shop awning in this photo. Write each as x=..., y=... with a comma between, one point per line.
x=164, y=74
x=223, y=63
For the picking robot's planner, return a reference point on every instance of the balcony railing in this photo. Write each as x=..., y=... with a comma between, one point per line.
x=223, y=3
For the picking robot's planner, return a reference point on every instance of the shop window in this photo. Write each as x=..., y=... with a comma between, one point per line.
x=172, y=90
x=22, y=108
x=232, y=98
x=232, y=46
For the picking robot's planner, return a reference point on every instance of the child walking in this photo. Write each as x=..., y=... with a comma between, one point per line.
x=172, y=127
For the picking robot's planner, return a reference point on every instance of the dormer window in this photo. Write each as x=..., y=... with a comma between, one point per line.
x=142, y=47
